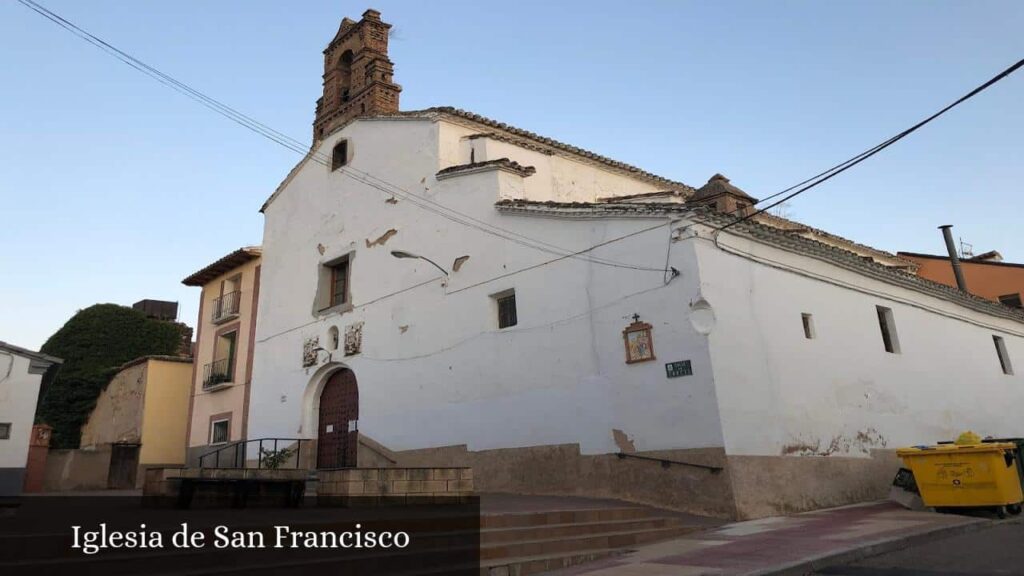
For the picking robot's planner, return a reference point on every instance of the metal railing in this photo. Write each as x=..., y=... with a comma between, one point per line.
x=272, y=454
x=217, y=372
x=665, y=463
x=226, y=306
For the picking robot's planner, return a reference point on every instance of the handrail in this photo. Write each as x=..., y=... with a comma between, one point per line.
x=225, y=305
x=243, y=462
x=665, y=463
x=217, y=372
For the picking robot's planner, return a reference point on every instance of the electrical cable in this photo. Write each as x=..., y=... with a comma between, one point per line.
x=298, y=147
x=842, y=167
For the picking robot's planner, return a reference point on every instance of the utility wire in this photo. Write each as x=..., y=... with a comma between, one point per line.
x=300, y=148
x=844, y=166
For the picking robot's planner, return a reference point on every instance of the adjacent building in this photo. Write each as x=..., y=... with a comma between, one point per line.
x=220, y=383
x=986, y=275
x=139, y=422
x=440, y=288
x=21, y=375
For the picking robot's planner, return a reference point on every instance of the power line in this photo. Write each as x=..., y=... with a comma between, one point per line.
x=844, y=166
x=300, y=148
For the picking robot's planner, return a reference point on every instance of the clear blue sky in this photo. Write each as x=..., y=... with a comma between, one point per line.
x=114, y=188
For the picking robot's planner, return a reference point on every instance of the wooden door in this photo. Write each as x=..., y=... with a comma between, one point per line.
x=337, y=436
x=124, y=465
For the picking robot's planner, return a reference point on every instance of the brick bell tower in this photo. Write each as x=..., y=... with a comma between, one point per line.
x=357, y=75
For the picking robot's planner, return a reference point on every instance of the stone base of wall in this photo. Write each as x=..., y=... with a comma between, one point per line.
x=163, y=485
x=394, y=485
x=749, y=486
x=562, y=470
x=776, y=485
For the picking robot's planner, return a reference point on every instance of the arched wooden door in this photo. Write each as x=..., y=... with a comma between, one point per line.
x=337, y=436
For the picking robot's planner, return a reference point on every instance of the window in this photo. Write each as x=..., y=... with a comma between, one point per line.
x=507, y=316
x=334, y=285
x=1012, y=300
x=808, y=321
x=339, y=157
x=333, y=338
x=223, y=367
x=220, y=431
x=888, y=326
x=1004, y=358
x=339, y=283
x=5, y=430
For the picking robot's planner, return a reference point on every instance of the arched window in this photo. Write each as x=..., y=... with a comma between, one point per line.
x=345, y=74
x=339, y=157
x=333, y=339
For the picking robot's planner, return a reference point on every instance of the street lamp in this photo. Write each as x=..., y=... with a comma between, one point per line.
x=404, y=254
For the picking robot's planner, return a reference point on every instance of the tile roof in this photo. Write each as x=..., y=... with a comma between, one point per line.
x=224, y=264
x=544, y=141
x=785, y=240
x=718, y=185
x=500, y=163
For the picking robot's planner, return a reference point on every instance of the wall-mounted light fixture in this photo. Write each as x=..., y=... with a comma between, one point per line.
x=404, y=254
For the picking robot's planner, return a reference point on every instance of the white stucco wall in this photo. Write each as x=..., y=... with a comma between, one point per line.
x=842, y=393
x=19, y=392
x=434, y=369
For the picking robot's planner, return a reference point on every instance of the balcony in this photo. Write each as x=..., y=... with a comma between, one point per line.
x=226, y=307
x=217, y=373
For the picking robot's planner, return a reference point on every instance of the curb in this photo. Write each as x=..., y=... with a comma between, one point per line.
x=808, y=565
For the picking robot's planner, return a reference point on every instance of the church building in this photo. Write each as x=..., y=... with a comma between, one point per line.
x=438, y=288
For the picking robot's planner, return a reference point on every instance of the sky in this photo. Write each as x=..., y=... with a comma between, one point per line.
x=113, y=188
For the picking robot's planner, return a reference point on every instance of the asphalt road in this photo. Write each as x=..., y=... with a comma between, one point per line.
x=996, y=550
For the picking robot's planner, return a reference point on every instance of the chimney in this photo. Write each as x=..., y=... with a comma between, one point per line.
x=953, y=258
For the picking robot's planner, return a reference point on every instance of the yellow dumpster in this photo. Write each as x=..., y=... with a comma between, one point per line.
x=974, y=475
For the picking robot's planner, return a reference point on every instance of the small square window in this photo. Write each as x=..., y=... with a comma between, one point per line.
x=1004, y=357
x=5, y=430
x=1011, y=300
x=808, y=321
x=220, y=431
x=888, y=325
x=507, y=315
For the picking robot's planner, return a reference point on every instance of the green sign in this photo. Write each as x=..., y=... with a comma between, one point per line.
x=677, y=369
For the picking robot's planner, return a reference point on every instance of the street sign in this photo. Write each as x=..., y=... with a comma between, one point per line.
x=677, y=369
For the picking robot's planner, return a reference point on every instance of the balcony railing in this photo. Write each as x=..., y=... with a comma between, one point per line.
x=226, y=306
x=217, y=372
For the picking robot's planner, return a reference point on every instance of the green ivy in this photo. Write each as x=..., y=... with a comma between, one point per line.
x=93, y=344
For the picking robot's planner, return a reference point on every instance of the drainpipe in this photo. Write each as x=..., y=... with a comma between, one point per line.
x=953, y=258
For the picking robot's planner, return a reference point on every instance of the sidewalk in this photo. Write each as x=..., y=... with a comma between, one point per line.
x=784, y=545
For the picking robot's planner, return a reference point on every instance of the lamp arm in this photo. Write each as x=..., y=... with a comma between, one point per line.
x=443, y=271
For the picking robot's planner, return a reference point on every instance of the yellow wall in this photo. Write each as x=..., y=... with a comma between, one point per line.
x=229, y=398
x=165, y=412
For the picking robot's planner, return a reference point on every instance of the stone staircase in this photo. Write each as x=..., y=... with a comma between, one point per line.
x=517, y=544
x=519, y=535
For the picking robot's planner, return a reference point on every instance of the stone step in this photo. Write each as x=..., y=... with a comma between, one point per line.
x=574, y=544
x=491, y=536
x=526, y=519
x=525, y=565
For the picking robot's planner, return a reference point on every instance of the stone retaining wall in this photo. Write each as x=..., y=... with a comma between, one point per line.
x=396, y=484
